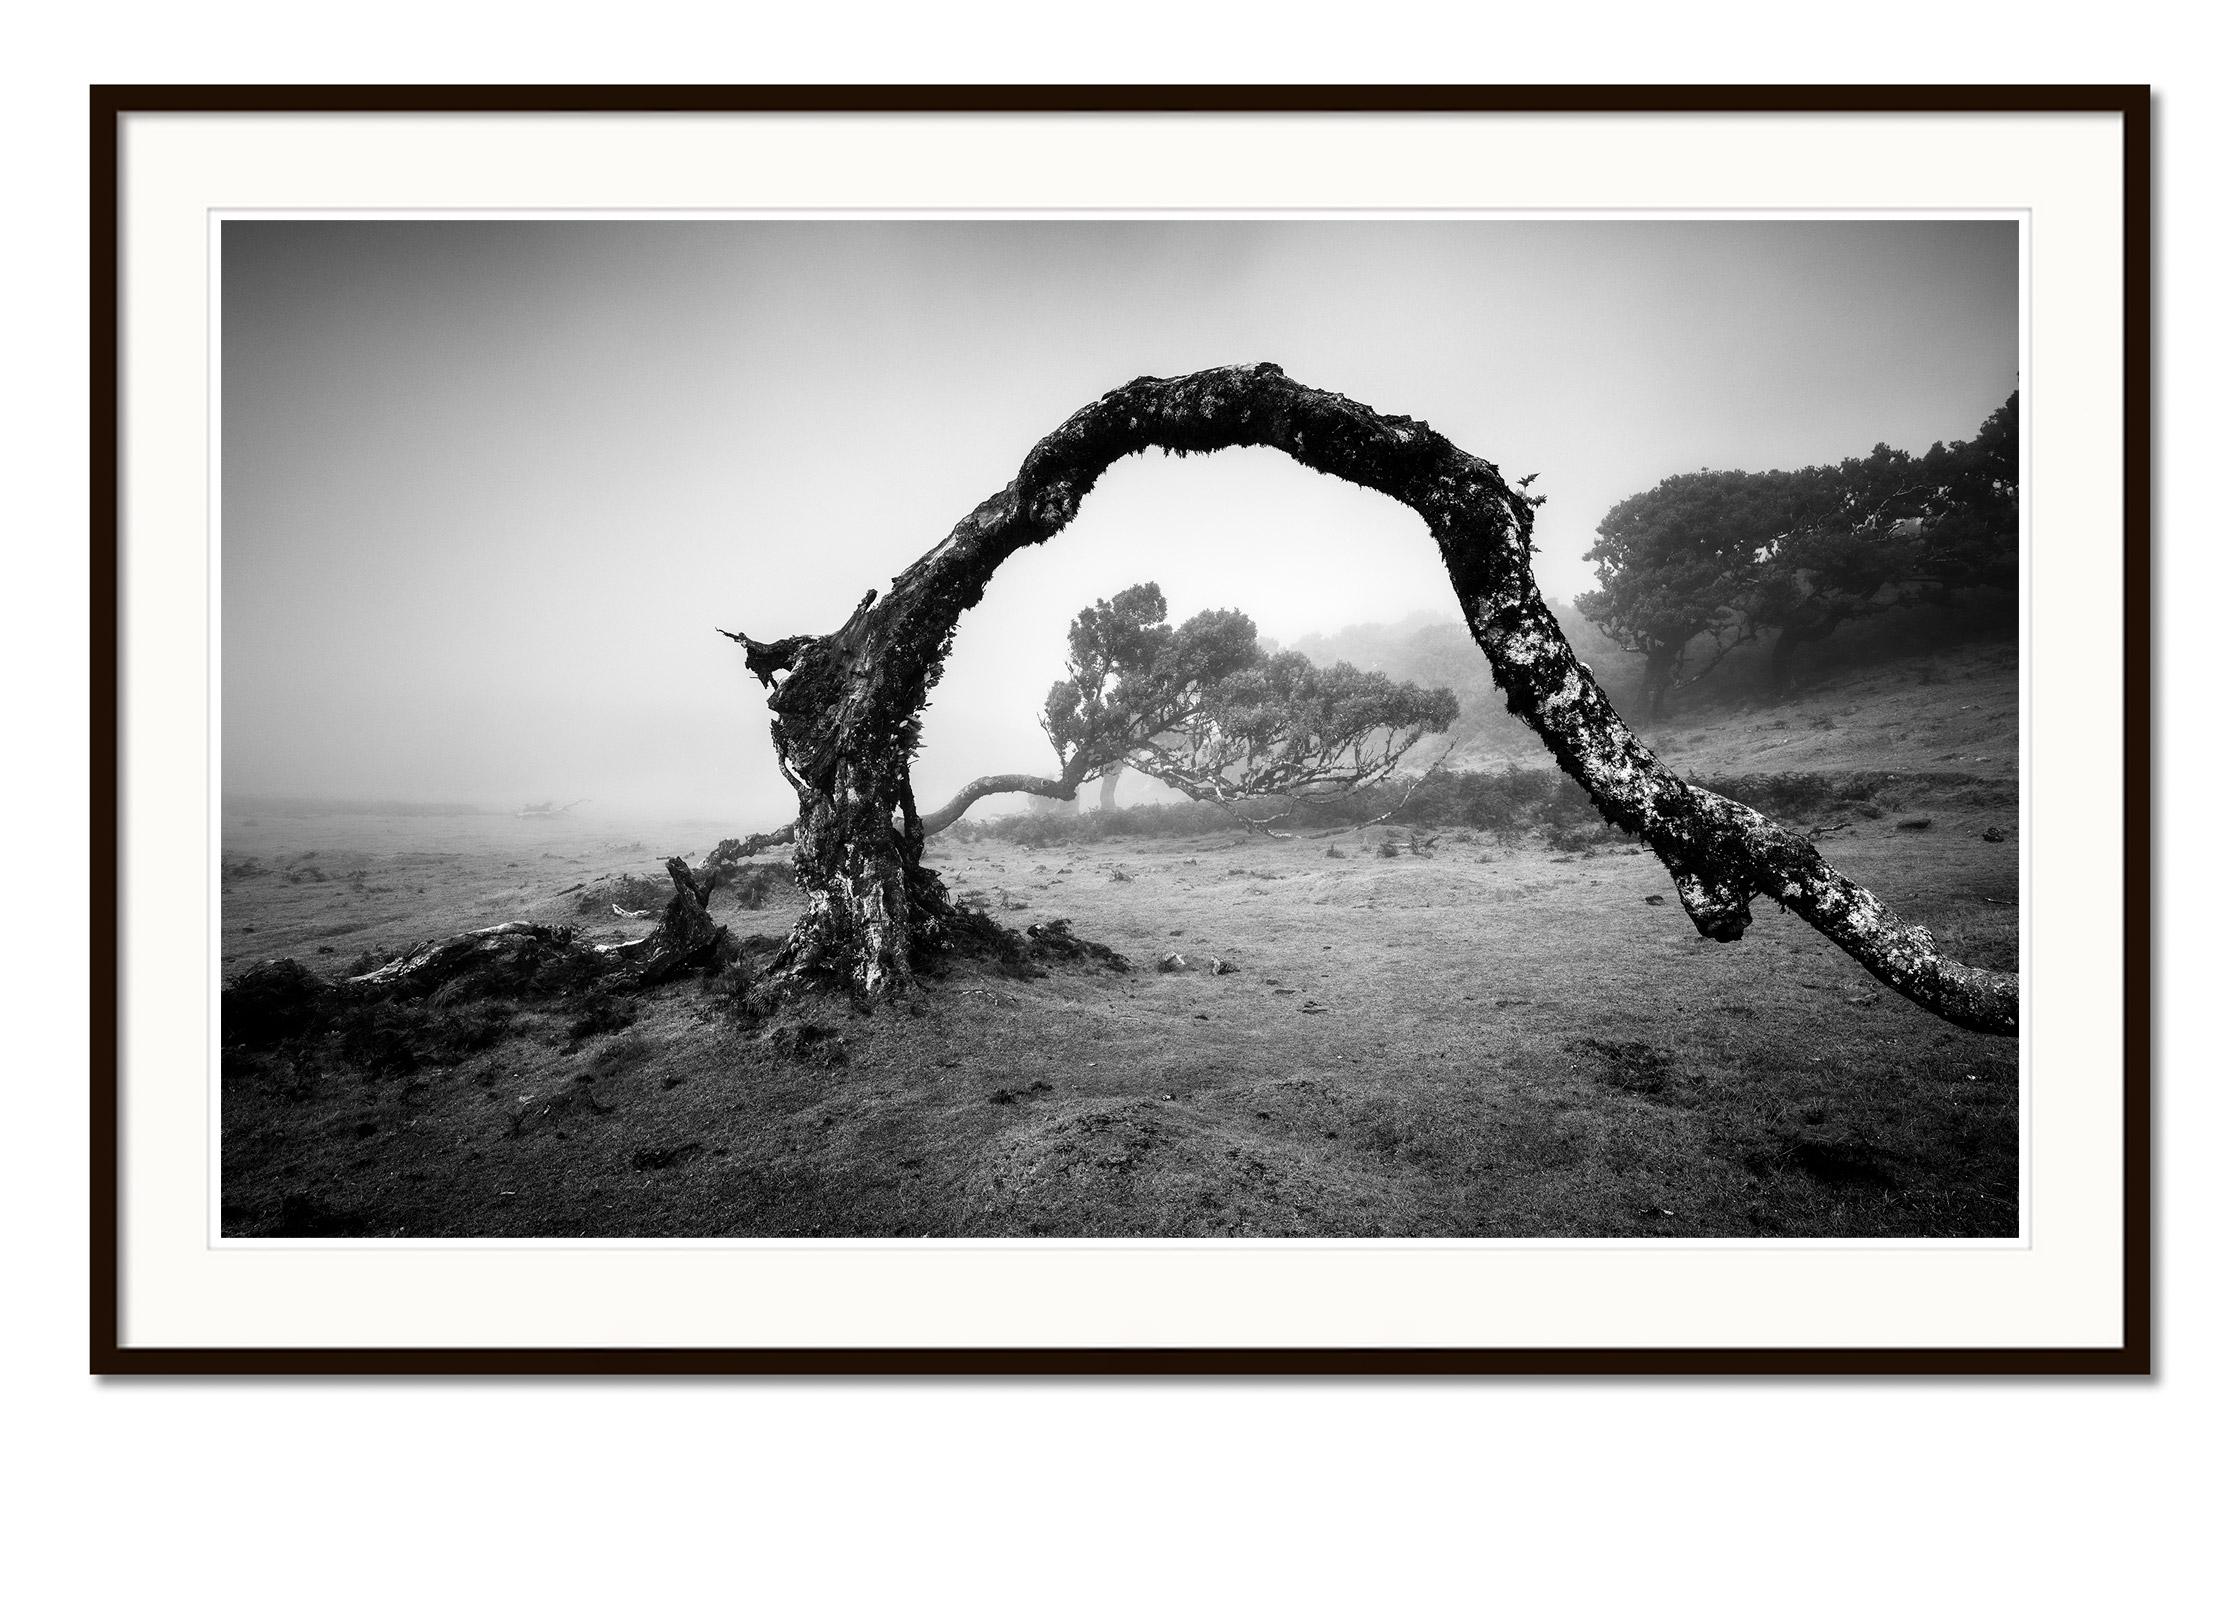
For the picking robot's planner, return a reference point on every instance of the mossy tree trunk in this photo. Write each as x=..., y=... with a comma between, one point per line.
x=845, y=716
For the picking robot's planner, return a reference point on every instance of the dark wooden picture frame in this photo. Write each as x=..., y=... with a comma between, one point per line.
x=110, y=105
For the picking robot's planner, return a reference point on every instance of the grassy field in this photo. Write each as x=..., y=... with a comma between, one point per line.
x=1426, y=1036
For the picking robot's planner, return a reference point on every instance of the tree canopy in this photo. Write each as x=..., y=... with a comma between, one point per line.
x=1710, y=560
x=1286, y=729
x=1131, y=677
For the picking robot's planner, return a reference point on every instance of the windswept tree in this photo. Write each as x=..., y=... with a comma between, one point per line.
x=1202, y=708
x=1286, y=733
x=1205, y=710
x=1130, y=678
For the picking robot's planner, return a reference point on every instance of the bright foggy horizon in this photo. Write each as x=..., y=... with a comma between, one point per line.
x=489, y=488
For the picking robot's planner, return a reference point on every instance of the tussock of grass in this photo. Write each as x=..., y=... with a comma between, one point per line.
x=973, y=936
x=600, y=1012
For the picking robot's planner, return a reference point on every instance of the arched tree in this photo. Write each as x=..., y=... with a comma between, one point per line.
x=845, y=715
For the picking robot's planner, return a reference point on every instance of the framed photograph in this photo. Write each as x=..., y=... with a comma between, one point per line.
x=1119, y=730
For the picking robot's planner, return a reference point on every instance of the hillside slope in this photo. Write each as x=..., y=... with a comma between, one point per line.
x=1950, y=710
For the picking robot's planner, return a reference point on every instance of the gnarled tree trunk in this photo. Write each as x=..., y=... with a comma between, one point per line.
x=846, y=715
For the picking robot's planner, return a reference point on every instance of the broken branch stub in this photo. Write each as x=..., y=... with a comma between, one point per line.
x=845, y=714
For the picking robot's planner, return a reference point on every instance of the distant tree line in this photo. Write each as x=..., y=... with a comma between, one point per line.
x=1707, y=561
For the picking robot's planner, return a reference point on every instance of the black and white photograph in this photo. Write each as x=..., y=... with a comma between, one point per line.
x=1185, y=802
x=1158, y=727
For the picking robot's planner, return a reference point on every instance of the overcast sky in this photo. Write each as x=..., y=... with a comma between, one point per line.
x=490, y=487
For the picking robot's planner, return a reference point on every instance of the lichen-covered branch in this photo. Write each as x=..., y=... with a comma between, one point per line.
x=846, y=712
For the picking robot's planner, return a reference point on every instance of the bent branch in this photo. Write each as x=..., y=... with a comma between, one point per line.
x=997, y=783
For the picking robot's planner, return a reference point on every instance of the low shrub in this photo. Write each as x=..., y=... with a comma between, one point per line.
x=1505, y=801
x=743, y=987
x=464, y=999
x=270, y=1001
x=1574, y=837
x=970, y=934
x=1797, y=794
x=399, y=1037
x=602, y=1012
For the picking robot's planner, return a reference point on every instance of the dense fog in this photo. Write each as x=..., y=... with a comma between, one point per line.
x=490, y=487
